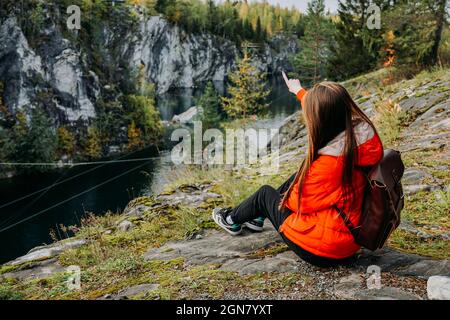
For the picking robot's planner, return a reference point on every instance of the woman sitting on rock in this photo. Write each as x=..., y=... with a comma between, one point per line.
x=341, y=139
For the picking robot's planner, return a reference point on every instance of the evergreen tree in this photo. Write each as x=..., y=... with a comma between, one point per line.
x=300, y=27
x=248, y=32
x=417, y=27
x=439, y=9
x=311, y=62
x=259, y=36
x=212, y=18
x=6, y=145
x=36, y=141
x=356, y=48
x=161, y=6
x=247, y=91
x=210, y=103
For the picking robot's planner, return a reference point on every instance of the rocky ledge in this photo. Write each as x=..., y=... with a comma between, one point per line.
x=423, y=141
x=403, y=276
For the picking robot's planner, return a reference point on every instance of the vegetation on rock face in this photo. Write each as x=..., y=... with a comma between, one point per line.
x=93, y=147
x=143, y=113
x=30, y=141
x=66, y=142
x=119, y=100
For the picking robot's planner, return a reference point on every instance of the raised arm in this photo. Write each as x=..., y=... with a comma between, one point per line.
x=295, y=87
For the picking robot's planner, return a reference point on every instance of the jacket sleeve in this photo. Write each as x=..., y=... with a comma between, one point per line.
x=301, y=96
x=323, y=186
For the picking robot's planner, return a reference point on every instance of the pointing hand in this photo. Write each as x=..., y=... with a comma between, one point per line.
x=293, y=85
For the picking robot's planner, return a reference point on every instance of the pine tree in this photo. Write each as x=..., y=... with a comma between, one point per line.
x=247, y=91
x=248, y=32
x=311, y=62
x=212, y=18
x=439, y=9
x=210, y=103
x=417, y=26
x=6, y=117
x=6, y=145
x=356, y=48
x=161, y=5
x=36, y=141
x=259, y=36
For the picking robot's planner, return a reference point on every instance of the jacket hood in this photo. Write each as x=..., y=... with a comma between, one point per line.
x=370, y=149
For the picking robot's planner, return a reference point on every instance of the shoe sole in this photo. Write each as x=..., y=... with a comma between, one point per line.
x=253, y=227
x=233, y=233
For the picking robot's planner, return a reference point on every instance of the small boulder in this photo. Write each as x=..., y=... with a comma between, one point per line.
x=415, y=176
x=125, y=226
x=413, y=189
x=136, y=211
x=438, y=288
x=187, y=116
x=45, y=252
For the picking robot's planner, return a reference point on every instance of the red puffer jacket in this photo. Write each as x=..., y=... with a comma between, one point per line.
x=317, y=227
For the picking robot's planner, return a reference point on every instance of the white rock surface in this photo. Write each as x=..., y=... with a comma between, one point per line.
x=438, y=288
x=187, y=116
x=45, y=252
x=125, y=226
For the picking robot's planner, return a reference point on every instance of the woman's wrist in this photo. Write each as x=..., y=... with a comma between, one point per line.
x=301, y=94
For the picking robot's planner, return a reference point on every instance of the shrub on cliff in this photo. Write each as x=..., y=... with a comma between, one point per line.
x=142, y=111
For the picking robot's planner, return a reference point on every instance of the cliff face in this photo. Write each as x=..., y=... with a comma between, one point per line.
x=58, y=71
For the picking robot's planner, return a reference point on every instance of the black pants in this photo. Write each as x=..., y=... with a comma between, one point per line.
x=264, y=203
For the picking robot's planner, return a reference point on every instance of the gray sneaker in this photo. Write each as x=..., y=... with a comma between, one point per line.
x=255, y=224
x=219, y=216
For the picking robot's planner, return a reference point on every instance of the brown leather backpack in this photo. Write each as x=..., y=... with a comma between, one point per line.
x=383, y=201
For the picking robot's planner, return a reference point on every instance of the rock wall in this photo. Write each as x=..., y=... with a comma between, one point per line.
x=57, y=72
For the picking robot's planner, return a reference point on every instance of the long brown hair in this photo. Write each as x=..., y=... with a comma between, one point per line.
x=329, y=110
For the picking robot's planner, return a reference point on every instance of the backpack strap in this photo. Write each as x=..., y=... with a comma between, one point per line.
x=353, y=230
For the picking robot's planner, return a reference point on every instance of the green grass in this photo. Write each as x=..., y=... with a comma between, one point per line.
x=175, y=279
x=389, y=121
x=436, y=249
x=428, y=209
